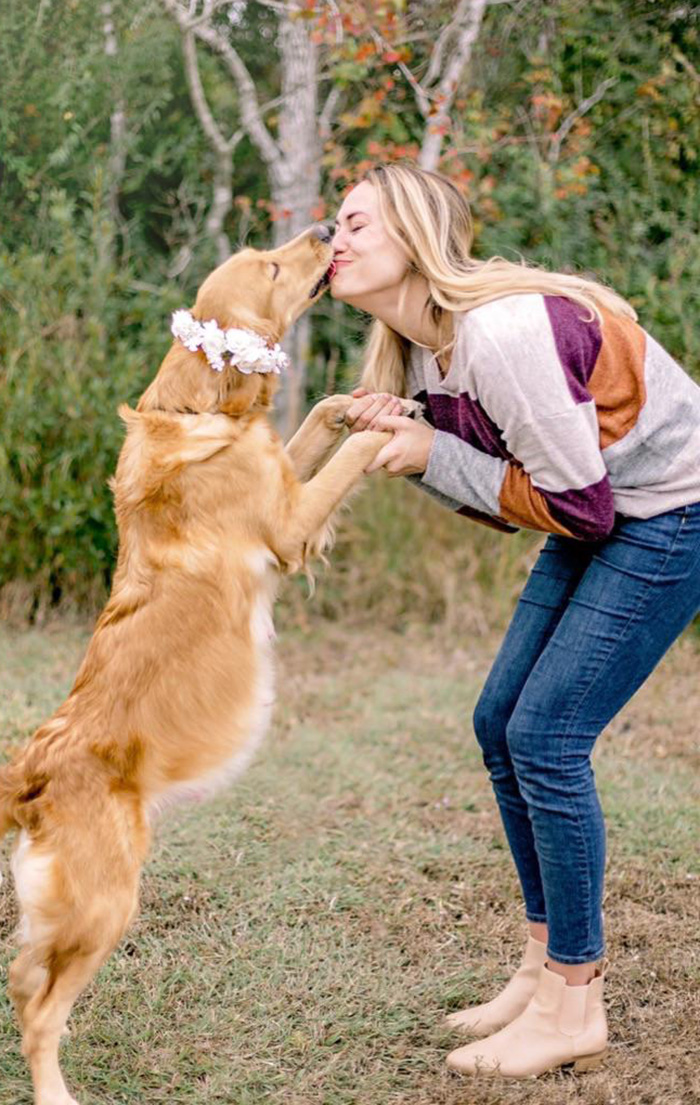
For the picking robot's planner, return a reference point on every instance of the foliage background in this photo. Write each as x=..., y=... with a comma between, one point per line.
x=91, y=265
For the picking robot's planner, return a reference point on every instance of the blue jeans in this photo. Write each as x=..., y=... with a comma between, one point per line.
x=592, y=623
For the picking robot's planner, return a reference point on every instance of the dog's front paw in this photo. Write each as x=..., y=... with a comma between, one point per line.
x=333, y=410
x=411, y=408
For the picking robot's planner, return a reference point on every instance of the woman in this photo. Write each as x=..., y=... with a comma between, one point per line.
x=547, y=407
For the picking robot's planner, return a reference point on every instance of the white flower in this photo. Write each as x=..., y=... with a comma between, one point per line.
x=214, y=344
x=280, y=359
x=187, y=329
x=249, y=351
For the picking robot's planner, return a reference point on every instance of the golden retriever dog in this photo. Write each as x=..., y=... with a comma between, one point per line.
x=176, y=686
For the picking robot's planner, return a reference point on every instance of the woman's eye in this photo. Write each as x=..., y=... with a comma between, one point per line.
x=355, y=229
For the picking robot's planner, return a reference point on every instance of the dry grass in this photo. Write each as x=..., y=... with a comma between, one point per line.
x=301, y=938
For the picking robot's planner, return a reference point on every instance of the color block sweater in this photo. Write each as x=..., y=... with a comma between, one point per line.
x=553, y=423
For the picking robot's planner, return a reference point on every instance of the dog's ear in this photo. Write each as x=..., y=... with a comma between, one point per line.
x=236, y=297
x=241, y=392
x=238, y=391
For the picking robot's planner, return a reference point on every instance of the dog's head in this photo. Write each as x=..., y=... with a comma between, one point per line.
x=260, y=290
x=267, y=290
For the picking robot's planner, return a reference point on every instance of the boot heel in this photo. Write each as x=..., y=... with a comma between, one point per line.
x=590, y=1062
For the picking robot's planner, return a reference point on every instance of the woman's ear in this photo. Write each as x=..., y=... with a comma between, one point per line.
x=238, y=391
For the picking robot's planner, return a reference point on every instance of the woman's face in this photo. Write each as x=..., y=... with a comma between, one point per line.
x=369, y=264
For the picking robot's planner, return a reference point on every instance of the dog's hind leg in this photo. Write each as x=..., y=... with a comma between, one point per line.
x=44, y=1020
x=69, y=966
x=77, y=885
x=26, y=976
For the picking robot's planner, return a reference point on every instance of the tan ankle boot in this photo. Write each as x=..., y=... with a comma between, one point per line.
x=561, y=1025
x=483, y=1020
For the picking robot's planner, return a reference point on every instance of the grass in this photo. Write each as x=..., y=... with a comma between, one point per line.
x=302, y=936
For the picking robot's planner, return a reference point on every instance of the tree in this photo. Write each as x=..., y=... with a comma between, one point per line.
x=329, y=47
x=291, y=153
x=573, y=129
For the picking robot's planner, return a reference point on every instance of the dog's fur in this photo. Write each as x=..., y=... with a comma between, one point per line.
x=176, y=687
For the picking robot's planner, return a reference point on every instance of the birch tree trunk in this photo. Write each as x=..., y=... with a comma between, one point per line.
x=292, y=158
x=295, y=186
x=117, y=124
x=450, y=60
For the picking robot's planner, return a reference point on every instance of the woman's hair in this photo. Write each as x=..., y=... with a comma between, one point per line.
x=427, y=215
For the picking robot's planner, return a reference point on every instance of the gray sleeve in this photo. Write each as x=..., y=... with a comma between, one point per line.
x=443, y=500
x=464, y=474
x=485, y=517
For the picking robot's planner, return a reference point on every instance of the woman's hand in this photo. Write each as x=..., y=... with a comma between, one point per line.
x=368, y=406
x=409, y=449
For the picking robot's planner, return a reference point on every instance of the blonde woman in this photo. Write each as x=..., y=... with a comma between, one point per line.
x=547, y=406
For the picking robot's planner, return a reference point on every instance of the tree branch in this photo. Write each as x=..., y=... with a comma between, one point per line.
x=327, y=112
x=687, y=64
x=199, y=100
x=250, y=109
x=419, y=92
x=585, y=105
x=466, y=26
x=436, y=55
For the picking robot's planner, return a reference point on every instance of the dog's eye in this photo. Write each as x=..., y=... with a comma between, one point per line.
x=275, y=269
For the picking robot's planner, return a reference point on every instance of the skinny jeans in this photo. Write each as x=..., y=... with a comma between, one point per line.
x=592, y=623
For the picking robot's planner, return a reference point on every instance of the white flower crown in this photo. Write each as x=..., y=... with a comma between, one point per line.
x=248, y=351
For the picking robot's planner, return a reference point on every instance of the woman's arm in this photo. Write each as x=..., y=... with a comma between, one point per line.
x=506, y=490
x=555, y=479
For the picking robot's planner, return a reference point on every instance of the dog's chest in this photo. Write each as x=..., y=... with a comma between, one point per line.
x=253, y=721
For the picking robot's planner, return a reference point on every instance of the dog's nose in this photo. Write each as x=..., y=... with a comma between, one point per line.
x=323, y=232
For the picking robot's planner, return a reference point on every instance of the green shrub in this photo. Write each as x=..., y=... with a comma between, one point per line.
x=76, y=339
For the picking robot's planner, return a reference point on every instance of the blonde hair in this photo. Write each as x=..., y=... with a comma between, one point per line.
x=429, y=217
